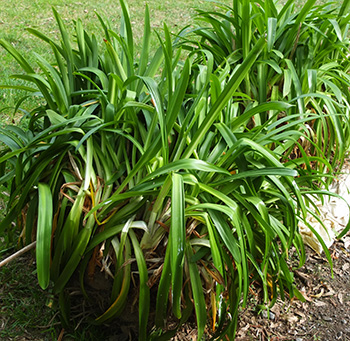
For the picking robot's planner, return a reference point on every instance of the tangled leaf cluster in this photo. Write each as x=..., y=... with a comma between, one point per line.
x=186, y=170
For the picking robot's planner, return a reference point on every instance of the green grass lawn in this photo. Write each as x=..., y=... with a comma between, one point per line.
x=15, y=18
x=24, y=308
x=37, y=14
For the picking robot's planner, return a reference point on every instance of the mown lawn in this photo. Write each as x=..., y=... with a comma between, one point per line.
x=14, y=19
x=37, y=14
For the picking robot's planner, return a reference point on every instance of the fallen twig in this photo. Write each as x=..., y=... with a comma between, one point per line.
x=17, y=254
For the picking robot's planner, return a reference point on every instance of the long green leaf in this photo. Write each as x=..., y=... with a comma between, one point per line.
x=144, y=292
x=225, y=96
x=177, y=237
x=197, y=292
x=118, y=305
x=43, y=235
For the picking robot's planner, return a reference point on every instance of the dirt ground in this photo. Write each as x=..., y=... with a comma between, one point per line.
x=324, y=316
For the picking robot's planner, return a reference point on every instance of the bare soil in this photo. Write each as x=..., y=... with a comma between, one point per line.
x=325, y=315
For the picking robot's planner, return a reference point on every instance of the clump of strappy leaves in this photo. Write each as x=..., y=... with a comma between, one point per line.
x=187, y=169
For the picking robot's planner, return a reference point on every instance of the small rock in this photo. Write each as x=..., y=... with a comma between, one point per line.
x=346, y=241
x=339, y=335
x=346, y=266
x=268, y=315
x=298, y=339
x=327, y=318
x=343, y=321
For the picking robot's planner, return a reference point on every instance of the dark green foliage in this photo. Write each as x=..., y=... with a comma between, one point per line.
x=191, y=170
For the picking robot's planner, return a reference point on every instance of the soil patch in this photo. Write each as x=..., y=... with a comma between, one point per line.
x=324, y=316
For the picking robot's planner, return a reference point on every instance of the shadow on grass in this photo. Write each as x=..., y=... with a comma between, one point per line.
x=25, y=311
x=29, y=313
